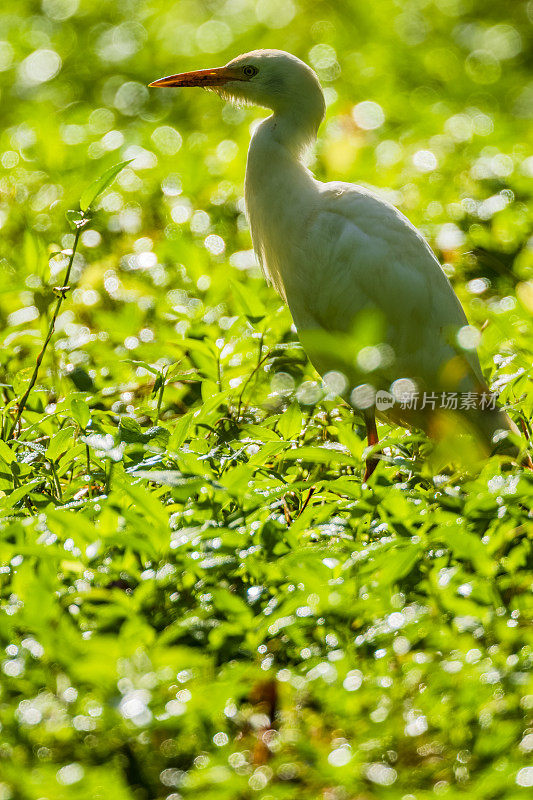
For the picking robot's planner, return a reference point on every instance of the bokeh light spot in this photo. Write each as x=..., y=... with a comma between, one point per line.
x=368, y=115
x=468, y=337
x=482, y=67
x=39, y=67
x=381, y=774
x=130, y=98
x=60, y=9
x=363, y=396
x=167, y=140
x=425, y=160
x=275, y=13
x=213, y=36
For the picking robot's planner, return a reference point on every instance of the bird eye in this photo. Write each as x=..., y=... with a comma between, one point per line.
x=250, y=71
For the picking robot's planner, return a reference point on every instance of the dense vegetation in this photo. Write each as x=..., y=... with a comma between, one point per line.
x=181, y=616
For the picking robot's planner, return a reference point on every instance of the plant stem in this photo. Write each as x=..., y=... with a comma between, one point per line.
x=160, y=395
x=51, y=328
x=109, y=477
x=260, y=362
x=56, y=481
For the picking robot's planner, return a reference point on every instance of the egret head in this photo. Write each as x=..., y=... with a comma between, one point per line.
x=270, y=78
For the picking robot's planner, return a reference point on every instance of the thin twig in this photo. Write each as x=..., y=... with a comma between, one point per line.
x=260, y=362
x=108, y=477
x=51, y=328
x=307, y=499
x=287, y=513
x=161, y=390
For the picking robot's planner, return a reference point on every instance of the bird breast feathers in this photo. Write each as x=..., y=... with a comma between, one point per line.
x=361, y=251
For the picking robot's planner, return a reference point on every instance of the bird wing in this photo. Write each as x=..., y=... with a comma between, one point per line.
x=359, y=252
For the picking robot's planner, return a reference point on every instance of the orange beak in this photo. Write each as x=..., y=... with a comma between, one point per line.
x=200, y=77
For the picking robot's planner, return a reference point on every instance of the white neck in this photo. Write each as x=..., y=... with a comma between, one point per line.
x=295, y=121
x=278, y=189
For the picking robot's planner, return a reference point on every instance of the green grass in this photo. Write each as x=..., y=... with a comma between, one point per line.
x=179, y=615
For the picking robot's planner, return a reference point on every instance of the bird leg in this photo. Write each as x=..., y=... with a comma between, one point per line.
x=372, y=438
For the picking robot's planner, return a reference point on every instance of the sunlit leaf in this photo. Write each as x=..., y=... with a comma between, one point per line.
x=249, y=302
x=80, y=411
x=93, y=192
x=290, y=423
x=60, y=442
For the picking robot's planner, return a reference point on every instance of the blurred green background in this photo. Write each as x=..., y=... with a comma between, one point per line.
x=178, y=616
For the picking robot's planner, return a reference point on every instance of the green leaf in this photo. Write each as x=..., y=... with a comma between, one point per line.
x=132, y=433
x=391, y=563
x=21, y=380
x=95, y=189
x=211, y=404
x=465, y=546
x=59, y=443
x=209, y=389
x=80, y=411
x=76, y=218
x=158, y=435
x=145, y=501
x=179, y=432
x=158, y=383
x=319, y=455
x=10, y=500
x=231, y=604
x=144, y=365
x=249, y=302
x=260, y=432
x=290, y=422
x=176, y=372
x=6, y=453
x=400, y=563
x=236, y=480
x=81, y=379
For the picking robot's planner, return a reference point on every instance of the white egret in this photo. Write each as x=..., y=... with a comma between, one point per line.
x=349, y=264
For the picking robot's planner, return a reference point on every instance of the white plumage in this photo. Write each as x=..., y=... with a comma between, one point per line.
x=335, y=251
